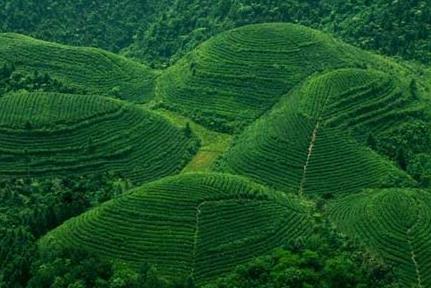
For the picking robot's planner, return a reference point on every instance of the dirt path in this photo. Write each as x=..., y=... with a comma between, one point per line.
x=413, y=257
x=195, y=237
x=309, y=153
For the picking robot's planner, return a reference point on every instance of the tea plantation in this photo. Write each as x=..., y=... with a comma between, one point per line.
x=49, y=134
x=197, y=224
x=360, y=101
x=88, y=70
x=236, y=76
x=266, y=136
x=310, y=142
x=395, y=223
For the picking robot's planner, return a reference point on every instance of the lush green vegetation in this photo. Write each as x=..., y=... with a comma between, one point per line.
x=305, y=269
x=395, y=224
x=50, y=134
x=235, y=77
x=248, y=119
x=110, y=25
x=11, y=80
x=66, y=267
x=200, y=225
x=30, y=208
x=88, y=70
x=213, y=144
x=323, y=260
x=162, y=31
x=408, y=145
x=243, y=72
x=393, y=27
x=362, y=102
x=312, y=140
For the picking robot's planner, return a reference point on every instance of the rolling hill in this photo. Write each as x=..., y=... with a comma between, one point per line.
x=257, y=114
x=360, y=101
x=89, y=70
x=313, y=141
x=394, y=223
x=236, y=76
x=49, y=134
x=201, y=225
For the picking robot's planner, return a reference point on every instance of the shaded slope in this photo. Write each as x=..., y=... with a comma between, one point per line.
x=234, y=77
x=395, y=223
x=307, y=145
x=198, y=224
x=89, y=70
x=48, y=134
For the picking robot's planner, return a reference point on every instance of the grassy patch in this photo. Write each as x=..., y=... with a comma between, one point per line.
x=213, y=144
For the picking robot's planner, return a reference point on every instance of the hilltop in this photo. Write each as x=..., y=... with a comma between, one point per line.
x=50, y=134
x=235, y=77
x=87, y=70
x=201, y=225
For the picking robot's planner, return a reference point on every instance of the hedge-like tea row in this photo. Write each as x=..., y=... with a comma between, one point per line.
x=49, y=134
x=306, y=145
x=396, y=224
x=359, y=101
x=201, y=225
x=238, y=75
x=90, y=70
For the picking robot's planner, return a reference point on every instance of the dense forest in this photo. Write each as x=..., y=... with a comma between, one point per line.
x=159, y=32
x=30, y=208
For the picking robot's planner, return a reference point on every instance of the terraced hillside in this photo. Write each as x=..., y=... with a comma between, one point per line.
x=360, y=101
x=309, y=143
x=90, y=70
x=236, y=76
x=395, y=223
x=49, y=134
x=201, y=225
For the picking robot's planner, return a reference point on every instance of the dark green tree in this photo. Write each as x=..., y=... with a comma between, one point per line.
x=371, y=141
x=28, y=125
x=188, y=130
x=401, y=158
x=414, y=89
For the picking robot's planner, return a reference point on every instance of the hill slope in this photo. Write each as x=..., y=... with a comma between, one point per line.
x=312, y=141
x=360, y=101
x=89, y=70
x=238, y=75
x=48, y=134
x=201, y=225
x=394, y=223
